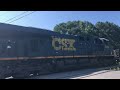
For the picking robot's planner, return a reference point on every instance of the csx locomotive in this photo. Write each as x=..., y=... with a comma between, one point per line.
x=28, y=50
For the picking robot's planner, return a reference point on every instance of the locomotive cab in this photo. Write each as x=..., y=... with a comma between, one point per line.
x=107, y=48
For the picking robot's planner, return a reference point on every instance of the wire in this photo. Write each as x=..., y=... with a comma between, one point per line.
x=22, y=17
x=16, y=16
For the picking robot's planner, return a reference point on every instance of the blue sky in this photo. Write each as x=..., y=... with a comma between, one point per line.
x=48, y=19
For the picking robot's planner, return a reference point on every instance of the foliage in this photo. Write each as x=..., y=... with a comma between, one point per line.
x=106, y=29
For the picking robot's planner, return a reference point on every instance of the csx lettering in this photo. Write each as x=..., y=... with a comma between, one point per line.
x=63, y=44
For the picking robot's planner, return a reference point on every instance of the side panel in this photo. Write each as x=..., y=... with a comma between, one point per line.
x=8, y=47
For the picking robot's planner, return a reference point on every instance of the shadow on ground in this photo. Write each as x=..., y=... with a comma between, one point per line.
x=73, y=74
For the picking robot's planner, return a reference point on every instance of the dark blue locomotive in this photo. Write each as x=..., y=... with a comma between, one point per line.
x=26, y=50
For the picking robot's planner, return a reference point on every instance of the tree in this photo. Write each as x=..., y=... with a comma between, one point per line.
x=106, y=29
x=110, y=31
x=75, y=28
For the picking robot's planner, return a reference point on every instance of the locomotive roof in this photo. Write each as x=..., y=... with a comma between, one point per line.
x=10, y=29
x=15, y=30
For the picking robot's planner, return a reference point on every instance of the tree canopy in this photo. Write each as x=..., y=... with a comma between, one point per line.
x=106, y=29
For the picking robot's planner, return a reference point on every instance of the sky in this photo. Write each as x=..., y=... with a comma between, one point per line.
x=49, y=19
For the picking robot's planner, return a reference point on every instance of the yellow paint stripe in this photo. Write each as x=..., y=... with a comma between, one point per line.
x=50, y=57
x=8, y=59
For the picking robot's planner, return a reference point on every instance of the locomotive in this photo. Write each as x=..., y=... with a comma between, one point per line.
x=29, y=50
